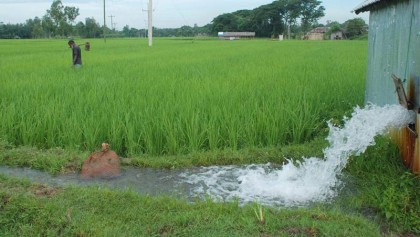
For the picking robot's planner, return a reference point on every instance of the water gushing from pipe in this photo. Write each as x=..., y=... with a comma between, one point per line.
x=314, y=179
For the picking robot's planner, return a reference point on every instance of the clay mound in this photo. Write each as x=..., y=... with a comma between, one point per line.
x=103, y=164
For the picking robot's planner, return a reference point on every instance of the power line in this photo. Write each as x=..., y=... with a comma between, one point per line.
x=180, y=13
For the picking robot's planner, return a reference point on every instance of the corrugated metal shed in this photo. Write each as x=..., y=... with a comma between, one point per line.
x=365, y=5
x=236, y=35
x=319, y=30
x=370, y=5
x=394, y=49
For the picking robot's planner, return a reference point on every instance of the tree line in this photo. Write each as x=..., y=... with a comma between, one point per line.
x=58, y=21
x=278, y=17
x=288, y=17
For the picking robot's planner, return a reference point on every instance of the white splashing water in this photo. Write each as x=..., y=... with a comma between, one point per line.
x=314, y=179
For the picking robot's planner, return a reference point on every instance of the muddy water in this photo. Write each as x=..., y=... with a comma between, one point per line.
x=144, y=181
x=222, y=183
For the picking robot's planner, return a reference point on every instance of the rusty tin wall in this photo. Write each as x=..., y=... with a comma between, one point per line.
x=394, y=48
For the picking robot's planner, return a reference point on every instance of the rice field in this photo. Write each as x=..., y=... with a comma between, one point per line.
x=179, y=96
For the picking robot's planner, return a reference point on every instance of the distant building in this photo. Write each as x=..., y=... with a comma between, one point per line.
x=337, y=35
x=316, y=34
x=236, y=35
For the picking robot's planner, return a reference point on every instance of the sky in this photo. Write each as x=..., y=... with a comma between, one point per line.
x=166, y=13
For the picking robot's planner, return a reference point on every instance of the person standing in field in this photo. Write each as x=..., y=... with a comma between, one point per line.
x=77, y=54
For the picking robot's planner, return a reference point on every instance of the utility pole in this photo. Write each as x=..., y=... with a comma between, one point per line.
x=150, y=32
x=104, y=23
x=112, y=25
x=150, y=24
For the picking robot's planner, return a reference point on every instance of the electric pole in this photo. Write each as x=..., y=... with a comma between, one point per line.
x=150, y=32
x=104, y=23
x=112, y=25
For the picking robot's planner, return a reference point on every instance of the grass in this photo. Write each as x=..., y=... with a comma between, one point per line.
x=57, y=160
x=33, y=209
x=386, y=187
x=178, y=97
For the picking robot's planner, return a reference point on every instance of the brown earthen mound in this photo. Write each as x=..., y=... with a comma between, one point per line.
x=103, y=164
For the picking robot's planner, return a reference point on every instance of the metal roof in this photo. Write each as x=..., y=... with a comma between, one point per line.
x=365, y=6
x=319, y=30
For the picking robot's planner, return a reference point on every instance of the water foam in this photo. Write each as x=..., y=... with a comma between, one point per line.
x=314, y=179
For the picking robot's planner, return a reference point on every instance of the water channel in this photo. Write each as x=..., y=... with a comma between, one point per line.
x=311, y=181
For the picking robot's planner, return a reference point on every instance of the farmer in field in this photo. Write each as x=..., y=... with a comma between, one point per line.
x=77, y=54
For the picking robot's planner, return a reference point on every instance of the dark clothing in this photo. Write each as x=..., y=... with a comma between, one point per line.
x=77, y=55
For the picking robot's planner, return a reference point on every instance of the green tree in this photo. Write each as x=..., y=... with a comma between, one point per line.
x=71, y=13
x=186, y=31
x=56, y=14
x=225, y=22
x=355, y=28
x=244, y=20
x=272, y=19
x=32, y=28
x=80, y=29
x=92, y=28
x=10, y=31
x=48, y=26
x=126, y=31
x=310, y=12
x=37, y=30
x=2, y=30
x=289, y=13
x=62, y=17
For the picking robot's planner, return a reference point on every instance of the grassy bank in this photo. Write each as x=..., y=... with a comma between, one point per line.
x=30, y=210
x=386, y=190
x=383, y=200
x=57, y=160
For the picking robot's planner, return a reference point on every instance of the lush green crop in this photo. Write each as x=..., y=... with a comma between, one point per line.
x=178, y=96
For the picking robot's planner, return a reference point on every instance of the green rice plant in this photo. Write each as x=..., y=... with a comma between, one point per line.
x=213, y=134
x=177, y=97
